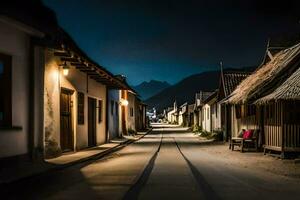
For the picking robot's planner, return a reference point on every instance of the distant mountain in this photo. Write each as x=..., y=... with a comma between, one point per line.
x=149, y=89
x=184, y=91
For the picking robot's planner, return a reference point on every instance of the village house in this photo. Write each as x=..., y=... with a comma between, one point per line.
x=114, y=113
x=131, y=113
x=141, y=119
x=124, y=111
x=55, y=96
x=127, y=113
x=256, y=105
x=208, y=112
x=172, y=114
x=75, y=108
x=183, y=115
x=199, y=99
x=190, y=115
x=21, y=78
x=229, y=80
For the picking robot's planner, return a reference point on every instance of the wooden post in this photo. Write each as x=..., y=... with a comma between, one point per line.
x=282, y=129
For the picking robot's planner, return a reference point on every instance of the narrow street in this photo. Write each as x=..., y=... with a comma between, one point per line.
x=165, y=164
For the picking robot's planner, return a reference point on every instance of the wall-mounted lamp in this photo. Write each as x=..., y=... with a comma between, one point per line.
x=65, y=69
x=124, y=102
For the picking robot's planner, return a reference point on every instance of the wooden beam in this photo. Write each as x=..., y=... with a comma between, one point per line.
x=69, y=59
x=91, y=73
x=78, y=64
x=62, y=54
x=88, y=71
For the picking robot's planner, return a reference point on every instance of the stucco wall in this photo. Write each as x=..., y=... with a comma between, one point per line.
x=16, y=43
x=206, y=123
x=77, y=81
x=131, y=104
x=113, y=119
x=180, y=118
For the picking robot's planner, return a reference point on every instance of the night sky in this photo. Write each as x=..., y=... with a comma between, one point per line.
x=169, y=40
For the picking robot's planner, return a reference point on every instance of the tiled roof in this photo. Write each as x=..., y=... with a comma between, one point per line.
x=232, y=80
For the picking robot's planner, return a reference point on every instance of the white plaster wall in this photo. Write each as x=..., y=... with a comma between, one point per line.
x=120, y=116
x=16, y=43
x=113, y=119
x=180, y=118
x=131, y=104
x=77, y=81
x=206, y=124
x=219, y=125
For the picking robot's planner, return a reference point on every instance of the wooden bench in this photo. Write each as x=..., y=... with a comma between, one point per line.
x=242, y=143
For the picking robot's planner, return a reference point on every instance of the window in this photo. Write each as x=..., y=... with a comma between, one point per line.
x=100, y=106
x=131, y=112
x=5, y=90
x=112, y=104
x=80, y=108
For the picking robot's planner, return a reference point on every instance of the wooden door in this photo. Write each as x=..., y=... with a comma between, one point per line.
x=91, y=122
x=66, y=133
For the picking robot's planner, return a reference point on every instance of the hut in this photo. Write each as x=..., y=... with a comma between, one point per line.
x=281, y=116
x=246, y=114
x=229, y=80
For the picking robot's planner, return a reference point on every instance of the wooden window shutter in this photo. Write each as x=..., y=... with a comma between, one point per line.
x=80, y=108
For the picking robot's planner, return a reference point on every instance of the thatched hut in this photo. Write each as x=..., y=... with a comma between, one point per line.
x=262, y=83
x=282, y=116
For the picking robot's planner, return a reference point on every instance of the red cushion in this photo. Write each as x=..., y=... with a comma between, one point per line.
x=248, y=134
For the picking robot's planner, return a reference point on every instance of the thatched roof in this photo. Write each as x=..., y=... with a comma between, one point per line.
x=259, y=82
x=289, y=90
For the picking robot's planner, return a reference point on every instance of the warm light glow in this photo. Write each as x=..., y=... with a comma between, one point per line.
x=124, y=102
x=65, y=72
x=55, y=75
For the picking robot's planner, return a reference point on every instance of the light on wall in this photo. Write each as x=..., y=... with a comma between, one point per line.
x=65, y=69
x=124, y=102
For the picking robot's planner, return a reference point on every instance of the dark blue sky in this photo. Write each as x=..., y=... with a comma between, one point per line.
x=169, y=40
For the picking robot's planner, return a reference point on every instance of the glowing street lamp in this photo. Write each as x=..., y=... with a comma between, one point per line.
x=124, y=102
x=65, y=69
